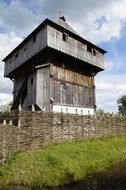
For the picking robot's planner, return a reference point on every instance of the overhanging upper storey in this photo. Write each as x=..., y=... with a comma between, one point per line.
x=58, y=36
x=71, y=43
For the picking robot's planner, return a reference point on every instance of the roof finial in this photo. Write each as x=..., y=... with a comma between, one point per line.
x=62, y=17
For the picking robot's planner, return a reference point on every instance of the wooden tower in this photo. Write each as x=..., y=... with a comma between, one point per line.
x=53, y=69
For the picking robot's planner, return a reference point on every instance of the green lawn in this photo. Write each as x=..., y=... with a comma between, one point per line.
x=60, y=164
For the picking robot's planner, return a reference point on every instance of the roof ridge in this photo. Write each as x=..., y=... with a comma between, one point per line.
x=65, y=25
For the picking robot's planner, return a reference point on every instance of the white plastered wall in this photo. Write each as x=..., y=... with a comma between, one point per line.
x=73, y=110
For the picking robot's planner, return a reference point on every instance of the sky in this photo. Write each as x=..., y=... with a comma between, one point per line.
x=101, y=22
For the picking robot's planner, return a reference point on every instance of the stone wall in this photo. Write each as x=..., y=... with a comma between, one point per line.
x=39, y=128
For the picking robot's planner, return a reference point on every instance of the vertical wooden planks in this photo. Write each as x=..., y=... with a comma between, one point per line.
x=43, y=88
x=71, y=76
x=26, y=51
x=73, y=47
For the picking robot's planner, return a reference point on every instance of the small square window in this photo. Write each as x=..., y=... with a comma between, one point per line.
x=89, y=48
x=63, y=86
x=10, y=60
x=94, y=52
x=25, y=47
x=63, y=65
x=64, y=37
x=16, y=54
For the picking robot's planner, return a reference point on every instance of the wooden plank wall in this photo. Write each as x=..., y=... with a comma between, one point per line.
x=31, y=92
x=68, y=94
x=72, y=88
x=34, y=45
x=73, y=47
x=71, y=75
x=43, y=88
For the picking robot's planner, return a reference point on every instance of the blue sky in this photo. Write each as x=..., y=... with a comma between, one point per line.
x=101, y=22
x=7, y=1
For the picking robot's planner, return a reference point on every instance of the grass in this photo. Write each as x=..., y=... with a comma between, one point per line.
x=59, y=164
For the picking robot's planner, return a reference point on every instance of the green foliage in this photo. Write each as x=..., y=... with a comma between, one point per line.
x=122, y=104
x=60, y=164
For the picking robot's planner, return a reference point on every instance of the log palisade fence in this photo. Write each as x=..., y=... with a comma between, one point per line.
x=28, y=130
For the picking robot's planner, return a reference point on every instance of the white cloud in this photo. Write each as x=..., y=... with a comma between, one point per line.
x=115, y=18
x=104, y=86
x=5, y=98
x=98, y=21
x=16, y=17
x=86, y=16
x=110, y=90
x=8, y=41
x=23, y=16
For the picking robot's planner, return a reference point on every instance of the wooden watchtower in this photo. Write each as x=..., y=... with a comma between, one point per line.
x=53, y=69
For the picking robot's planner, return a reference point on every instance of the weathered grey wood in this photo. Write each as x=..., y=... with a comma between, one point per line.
x=27, y=51
x=48, y=36
x=43, y=88
x=51, y=85
x=72, y=95
x=71, y=76
x=73, y=47
x=57, y=68
x=30, y=98
x=31, y=93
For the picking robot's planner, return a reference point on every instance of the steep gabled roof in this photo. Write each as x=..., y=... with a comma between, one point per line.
x=65, y=25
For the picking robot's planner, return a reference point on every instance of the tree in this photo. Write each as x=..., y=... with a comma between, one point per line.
x=122, y=104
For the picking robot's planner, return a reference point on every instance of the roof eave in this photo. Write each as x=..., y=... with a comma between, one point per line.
x=55, y=25
x=26, y=39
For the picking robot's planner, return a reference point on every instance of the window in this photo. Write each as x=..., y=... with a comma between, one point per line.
x=94, y=52
x=16, y=54
x=63, y=86
x=10, y=60
x=64, y=37
x=25, y=47
x=89, y=48
x=63, y=65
